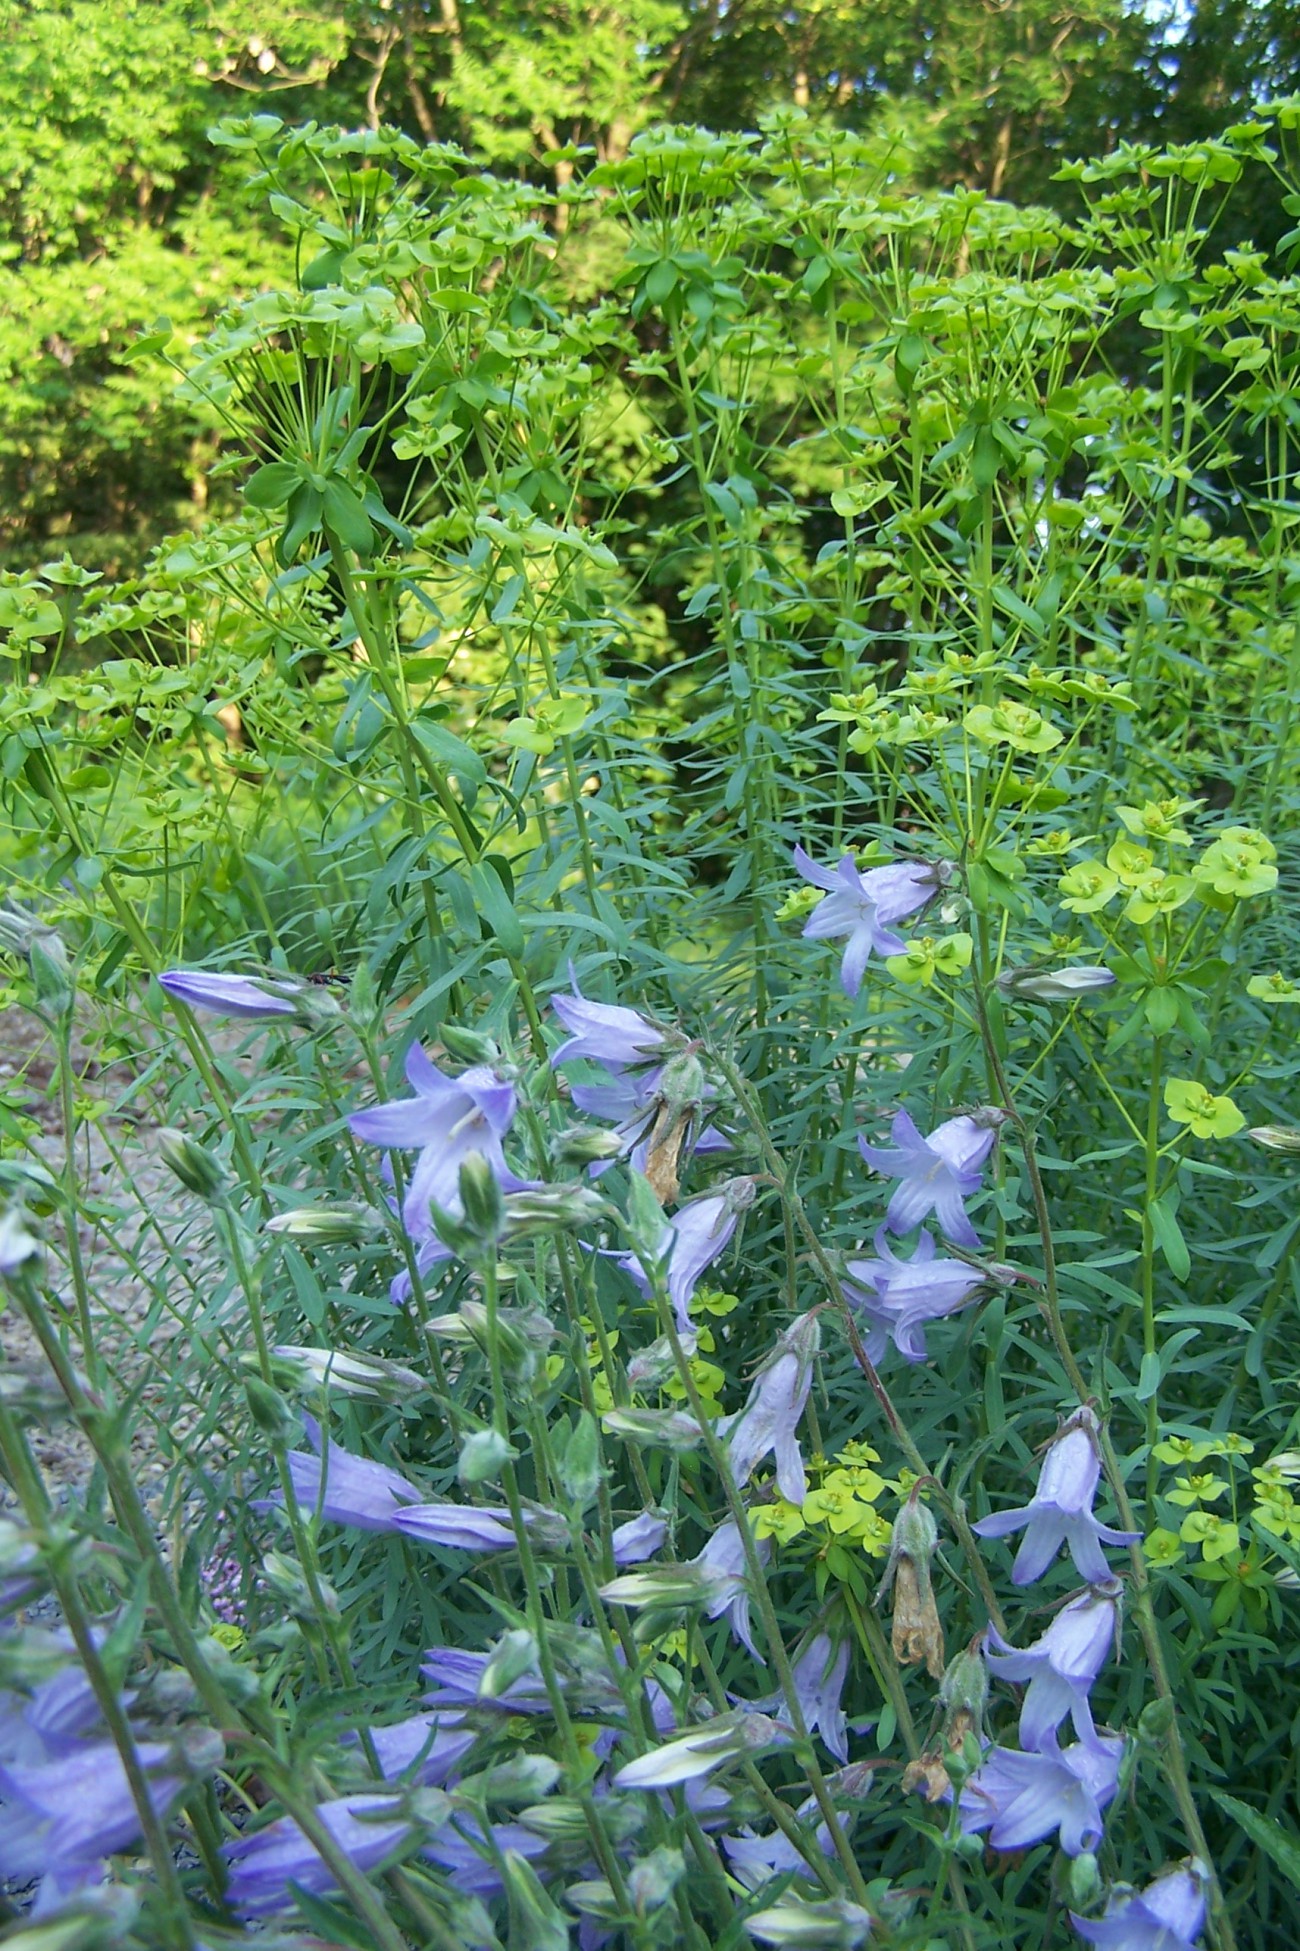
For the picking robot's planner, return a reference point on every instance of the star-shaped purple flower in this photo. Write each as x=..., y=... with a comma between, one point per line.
x=446, y=1120
x=1060, y=1511
x=935, y=1174
x=1061, y=1666
x=898, y=1296
x=1168, y=1915
x=1022, y=1798
x=864, y=907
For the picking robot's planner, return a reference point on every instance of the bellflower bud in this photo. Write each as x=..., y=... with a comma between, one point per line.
x=536, y=1922
x=340, y=1225
x=286, y=1576
x=652, y=1880
x=795, y=1924
x=482, y=1455
x=468, y=1046
x=197, y=1170
x=18, y=1243
x=514, y=1655
x=1055, y=985
x=369, y=1376
x=1276, y=1138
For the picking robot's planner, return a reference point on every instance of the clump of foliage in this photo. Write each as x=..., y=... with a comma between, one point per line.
x=792, y=761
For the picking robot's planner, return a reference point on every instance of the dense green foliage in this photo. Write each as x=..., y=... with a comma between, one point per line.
x=116, y=210
x=569, y=574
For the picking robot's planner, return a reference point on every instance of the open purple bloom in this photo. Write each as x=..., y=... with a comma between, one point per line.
x=446, y=1120
x=723, y=1561
x=456, y=1675
x=1061, y=1510
x=432, y=1744
x=230, y=995
x=753, y=1859
x=898, y=1296
x=696, y=1235
x=640, y=1538
x=367, y=1828
x=935, y=1174
x=62, y=1817
x=1061, y=1666
x=820, y=1670
x=1021, y=1798
x=49, y=1723
x=1168, y=1915
x=655, y=1086
x=770, y=1418
x=462, y=1527
x=357, y=1492
x=460, y=1850
x=606, y=1033
x=864, y=907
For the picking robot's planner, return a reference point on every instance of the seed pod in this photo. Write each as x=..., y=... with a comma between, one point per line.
x=917, y=1633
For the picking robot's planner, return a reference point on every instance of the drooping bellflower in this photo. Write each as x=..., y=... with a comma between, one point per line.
x=1168, y=1915
x=1061, y=1666
x=697, y=1234
x=367, y=1828
x=819, y=1671
x=769, y=1420
x=62, y=1817
x=432, y=1744
x=1022, y=1798
x=724, y=1563
x=656, y=1089
x=357, y=1492
x=935, y=1174
x=1060, y=1511
x=897, y=1297
x=640, y=1538
x=231, y=995
x=864, y=906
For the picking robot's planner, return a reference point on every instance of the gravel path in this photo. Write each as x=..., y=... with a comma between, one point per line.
x=130, y=1204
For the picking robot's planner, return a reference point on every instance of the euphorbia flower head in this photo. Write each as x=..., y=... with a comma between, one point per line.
x=1061, y=1666
x=367, y=1828
x=898, y=1296
x=770, y=1418
x=1168, y=1915
x=935, y=1174
x=446, y=1120
x=1021, y=1798
x=864, y=907
x=1061, y=1509
x=691, y=1241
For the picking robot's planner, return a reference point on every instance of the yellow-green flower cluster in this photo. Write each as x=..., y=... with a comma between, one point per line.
x=1218, y=1533
x=839, y=1509
x=1236, y=865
